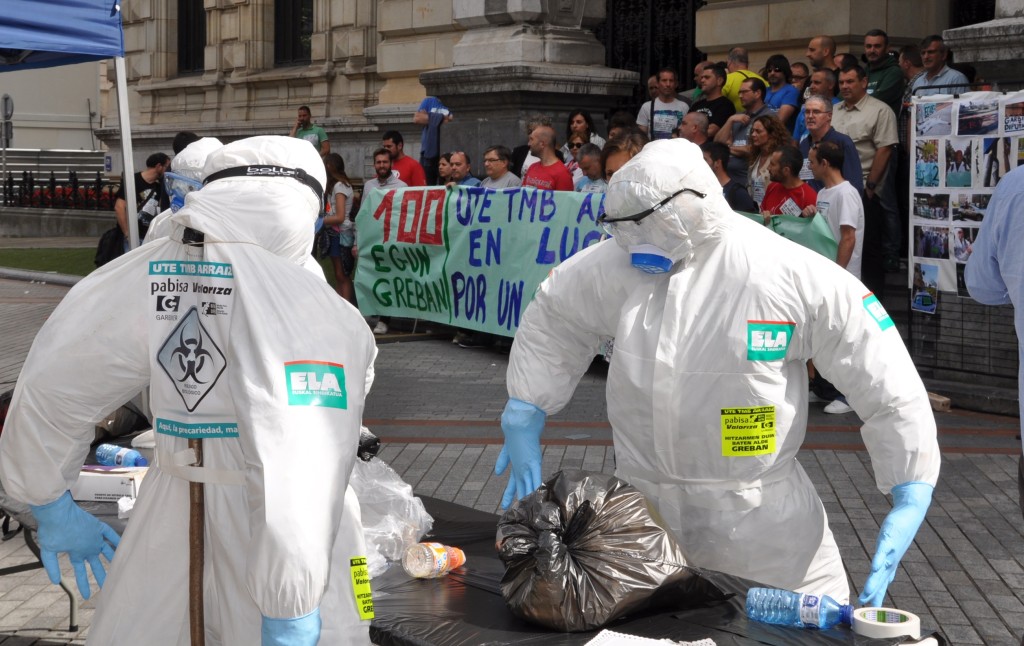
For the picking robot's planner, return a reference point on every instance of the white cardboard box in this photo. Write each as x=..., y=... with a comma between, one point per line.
x=108, y=484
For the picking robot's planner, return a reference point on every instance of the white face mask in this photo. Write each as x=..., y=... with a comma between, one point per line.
x=636, y=234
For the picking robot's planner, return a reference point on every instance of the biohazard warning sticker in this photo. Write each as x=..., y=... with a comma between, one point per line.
x=361, y=587
x=748, y=431
x=191, y=359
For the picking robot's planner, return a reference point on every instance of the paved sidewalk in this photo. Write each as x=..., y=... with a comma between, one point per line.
x=436, y=407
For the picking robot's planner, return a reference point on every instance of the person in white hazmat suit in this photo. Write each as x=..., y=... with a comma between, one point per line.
x=215, y=318
x=714, y=318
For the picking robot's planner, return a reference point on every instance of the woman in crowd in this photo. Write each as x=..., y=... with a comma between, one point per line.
x=580, y=123
x=444, y=169
x=573, y=145
x=767, y=134
x=342, y=229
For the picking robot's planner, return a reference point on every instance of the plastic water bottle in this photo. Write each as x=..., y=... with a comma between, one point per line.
x=785, y=608
x=111, y=455
x=431, y=560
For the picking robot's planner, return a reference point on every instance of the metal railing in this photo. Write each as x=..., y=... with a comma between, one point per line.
x=94, y=194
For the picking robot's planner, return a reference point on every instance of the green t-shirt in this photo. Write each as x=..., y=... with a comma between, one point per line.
x=313, y=134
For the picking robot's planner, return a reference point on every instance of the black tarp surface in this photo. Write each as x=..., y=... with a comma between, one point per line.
x=466, y=608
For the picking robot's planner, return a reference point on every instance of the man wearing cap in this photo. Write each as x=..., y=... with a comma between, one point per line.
x=714, y=318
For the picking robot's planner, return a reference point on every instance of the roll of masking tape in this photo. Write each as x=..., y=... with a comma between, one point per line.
x=886, y=622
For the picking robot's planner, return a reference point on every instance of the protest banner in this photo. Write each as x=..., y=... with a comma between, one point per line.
x=467, y=257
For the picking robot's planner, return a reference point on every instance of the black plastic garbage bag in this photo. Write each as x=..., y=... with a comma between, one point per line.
x=584, y=550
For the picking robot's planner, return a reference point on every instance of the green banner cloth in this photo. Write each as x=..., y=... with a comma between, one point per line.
x=813, y=233
x=467, y=257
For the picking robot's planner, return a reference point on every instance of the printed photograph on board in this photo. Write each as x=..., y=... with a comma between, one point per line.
x=924, y=297
x=963, y=242
x=970, y=207
x=934, y=119
x=959, y=161
x=931, y=242
x=1013, y=115
x=980, y=117
x=1020, y=151
x=931, y=207
x=994, y=162
x=926, y=163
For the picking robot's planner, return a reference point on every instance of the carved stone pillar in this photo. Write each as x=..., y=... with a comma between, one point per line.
x=992, y=47
x=517, y=58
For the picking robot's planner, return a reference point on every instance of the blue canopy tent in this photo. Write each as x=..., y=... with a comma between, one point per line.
x=47, y=33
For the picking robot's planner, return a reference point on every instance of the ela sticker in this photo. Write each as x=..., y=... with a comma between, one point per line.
x=316, y=383
x=361, y=587
x=877, y=312
x=748, y=431
x=768, y=340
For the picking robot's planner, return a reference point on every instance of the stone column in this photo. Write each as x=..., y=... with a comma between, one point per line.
x=994, y=47
x=521, y=57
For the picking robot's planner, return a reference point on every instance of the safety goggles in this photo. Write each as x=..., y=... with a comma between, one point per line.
x=178, y=186
x=609, y=224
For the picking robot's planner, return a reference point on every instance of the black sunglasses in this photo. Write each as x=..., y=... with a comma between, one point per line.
x=604, y=219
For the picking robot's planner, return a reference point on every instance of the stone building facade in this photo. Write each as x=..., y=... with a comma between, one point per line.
x=370, y=62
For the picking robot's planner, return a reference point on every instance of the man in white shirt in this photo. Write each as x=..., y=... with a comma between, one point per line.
x=841, y=206
x=668, y=111
x=839, y=203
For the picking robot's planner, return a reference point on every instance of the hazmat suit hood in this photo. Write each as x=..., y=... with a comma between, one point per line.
x=188, y=164
x=190, y=161
x=224, y=210
x=659, y=170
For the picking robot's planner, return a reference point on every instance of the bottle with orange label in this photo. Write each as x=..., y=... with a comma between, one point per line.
x=431, y=560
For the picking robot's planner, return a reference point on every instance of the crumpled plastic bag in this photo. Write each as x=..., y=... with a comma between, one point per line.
x=393, y=518
x=584, y=549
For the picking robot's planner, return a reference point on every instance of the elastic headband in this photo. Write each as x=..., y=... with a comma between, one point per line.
x=269, y=170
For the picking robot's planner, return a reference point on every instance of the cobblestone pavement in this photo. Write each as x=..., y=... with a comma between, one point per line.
x=436, y=407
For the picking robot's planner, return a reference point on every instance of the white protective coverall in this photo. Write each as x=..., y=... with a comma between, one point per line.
x=243, y=347
x=707, y=386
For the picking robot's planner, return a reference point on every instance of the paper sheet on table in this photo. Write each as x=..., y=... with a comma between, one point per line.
x=612, y=638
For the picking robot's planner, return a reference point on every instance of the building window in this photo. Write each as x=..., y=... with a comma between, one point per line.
x=191, y=36
x=293, y=28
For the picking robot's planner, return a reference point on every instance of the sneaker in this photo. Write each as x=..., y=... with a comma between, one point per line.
x=838, y=407
x=380, y=328
x=812, y=398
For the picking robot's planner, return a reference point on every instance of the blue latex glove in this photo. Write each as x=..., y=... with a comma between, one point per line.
x=522, y=423
x=66, y=527
x=910, y=502
x=300, y=631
